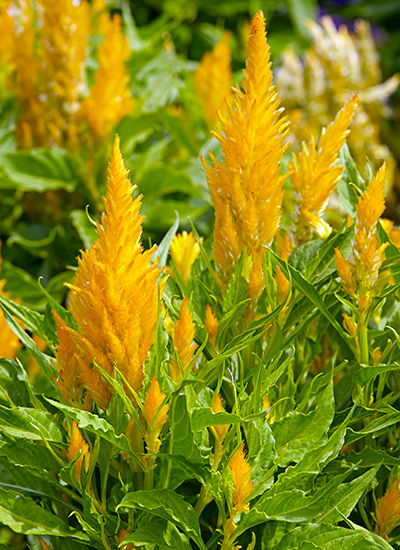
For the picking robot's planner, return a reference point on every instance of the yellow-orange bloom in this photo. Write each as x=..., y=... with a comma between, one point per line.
x=219, y=432
x=6, y=33
x=63, y=39
x=314, y=175
x=211, y=323
x=182, y=339
x=110, y=97
x=114, y=296
x=9, y=342
x=212, y=80
x=345, y=273
x=246, y=188
x=184, y=250
x=78, y=444
x=387, y=511
x=154, y=414
x=242, y=486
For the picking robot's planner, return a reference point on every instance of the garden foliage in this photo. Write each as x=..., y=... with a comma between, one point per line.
x=233, y=388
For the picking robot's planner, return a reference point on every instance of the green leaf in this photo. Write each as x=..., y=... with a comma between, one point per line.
x=365, y=374
x=162, y=533
x=84, y=227
x=24, y=452
x=41, y=358
x=261, y=455
x=311, y=293
x=300, y=11
x=13, y=383
x=168, y=505
x=329, y=537
x=204, y=418
x=30, y=424
x=163, y=248
x=95, y=425
x=32, y=320
x=22, y=515
x=298, y=433
x=37, y=170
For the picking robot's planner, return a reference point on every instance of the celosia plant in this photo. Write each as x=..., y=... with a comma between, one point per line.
x=248, y=399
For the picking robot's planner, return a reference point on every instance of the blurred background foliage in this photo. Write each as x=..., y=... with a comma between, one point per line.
x=46, y=186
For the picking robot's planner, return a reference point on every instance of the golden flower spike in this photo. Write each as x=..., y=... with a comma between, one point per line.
x=212, y=80
x=387, y=511
x=78, y=444
x=114, y=296
x=155, y=415
x=246, y=188
x=110, y=97
x=182, y=339
x=314, y=175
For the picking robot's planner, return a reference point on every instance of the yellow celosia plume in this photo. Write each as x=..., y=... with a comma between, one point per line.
x=359, y=274
x=211, y=323
x=387, y=511
x=155, y=415
x=114, y=296
x=242, y=486
x=9, y=342
x=65, y=27
x=184, y=250
x=110, y=97
x=212, y=80
x=246, y=188
x=314, y=174
x=78, y=444
x=220, y=431
x=182, y=339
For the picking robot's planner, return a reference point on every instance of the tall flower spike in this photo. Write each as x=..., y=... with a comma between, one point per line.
x=242, y=486
x=64, y=35
x=212, y=80
x=78, y=444
x=387, y=511
x=211, y=323
x=110, y=97
x=182, y=339
x=246, y=188
x=314, y=174
x=114, y=296
x=155, y=415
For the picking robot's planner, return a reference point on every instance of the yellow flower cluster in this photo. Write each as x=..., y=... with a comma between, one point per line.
x=246, y=188
x=114, y=298
x=338, y=65
x=212, y=80
x=48, y=56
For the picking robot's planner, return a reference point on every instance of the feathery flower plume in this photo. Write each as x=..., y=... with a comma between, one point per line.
x=387, y=511
x=155, y=415
x=9, y=342
x=78, y=444
x=211, y=323
x=114, y=296
x=7, y=34
x=220, y=431
x=242, y=486
x=64, y=33
x=246, y=188
x=184, y=250
x=109, y=98
x=212, y=80
x=314, y=175
x=67, y=364
x=360, y=272
x=182, y=340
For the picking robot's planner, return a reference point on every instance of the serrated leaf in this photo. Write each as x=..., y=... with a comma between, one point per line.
x=23, y=515
x=365, y=374
x=168, y=505
x=331, y=538
x=95, y=425
x=24, y=452
x=298, y=433
x=162, y=533
x=30, y=424
x=13, y=383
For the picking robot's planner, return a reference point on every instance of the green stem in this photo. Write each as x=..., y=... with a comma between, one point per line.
x=204, y=499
